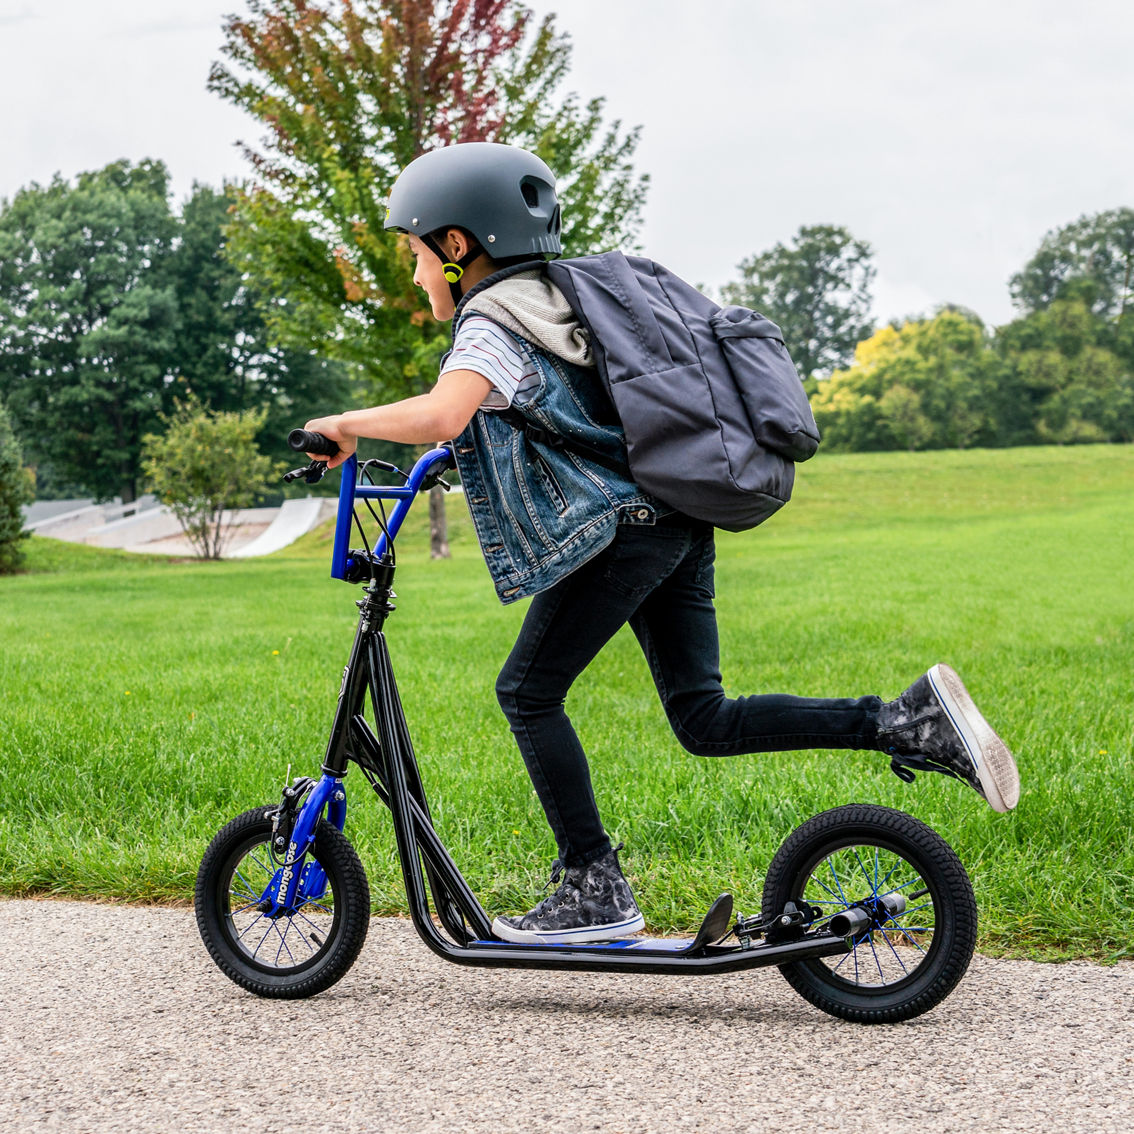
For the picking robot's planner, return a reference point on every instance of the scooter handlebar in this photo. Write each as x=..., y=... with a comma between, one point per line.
x=305, y=441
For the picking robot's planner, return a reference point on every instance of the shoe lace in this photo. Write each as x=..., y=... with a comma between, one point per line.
x=903, y=767
x=557, y=868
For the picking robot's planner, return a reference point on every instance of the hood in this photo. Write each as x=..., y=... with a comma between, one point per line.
x=530, y=305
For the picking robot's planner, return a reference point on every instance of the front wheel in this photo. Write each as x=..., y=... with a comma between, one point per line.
x=297, y=952
x=900, y=894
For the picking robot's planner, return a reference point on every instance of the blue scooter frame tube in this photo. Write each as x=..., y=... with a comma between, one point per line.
x=328, y=793
x=350, y=491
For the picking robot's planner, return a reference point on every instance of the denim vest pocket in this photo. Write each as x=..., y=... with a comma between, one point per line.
x=543, y=470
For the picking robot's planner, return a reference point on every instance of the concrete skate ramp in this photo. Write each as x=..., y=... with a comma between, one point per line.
x=131, y=531
x=295, y=518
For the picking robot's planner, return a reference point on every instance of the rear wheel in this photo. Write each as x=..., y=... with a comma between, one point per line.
x=300, y=951
x=900, y=894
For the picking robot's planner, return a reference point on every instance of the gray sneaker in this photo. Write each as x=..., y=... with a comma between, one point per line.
x=934, y=726
x=592, y=903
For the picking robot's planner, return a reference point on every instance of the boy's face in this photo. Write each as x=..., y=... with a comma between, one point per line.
x=429, y=277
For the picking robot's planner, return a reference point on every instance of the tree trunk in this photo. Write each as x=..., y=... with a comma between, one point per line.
x=438, y=524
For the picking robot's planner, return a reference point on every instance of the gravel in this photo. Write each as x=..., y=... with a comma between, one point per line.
x=114, y=1018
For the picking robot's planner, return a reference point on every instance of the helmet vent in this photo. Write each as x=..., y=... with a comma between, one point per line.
x=531, y=194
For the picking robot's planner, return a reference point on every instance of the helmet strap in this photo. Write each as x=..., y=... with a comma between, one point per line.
x=453, y=271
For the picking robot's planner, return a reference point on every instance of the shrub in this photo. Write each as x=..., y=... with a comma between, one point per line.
x=16, y=489
x=205, y=464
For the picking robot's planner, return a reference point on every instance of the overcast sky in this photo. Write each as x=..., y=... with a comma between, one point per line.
x=949, y=135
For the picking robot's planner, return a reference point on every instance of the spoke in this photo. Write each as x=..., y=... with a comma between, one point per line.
x=889, y=873
x=328, y=910
x=250, y=905
x=877, y=962
x=835, y=877
x=819, y=882
x=265, y=868
x=317, y=928
x=251, y=888
x=914, y=909
x=240, y=935
x=283, y=944
x=865, y=872
x=889, y=943
x=262, y=939
x=235, y=888
x=905, y=932
x=914, y=879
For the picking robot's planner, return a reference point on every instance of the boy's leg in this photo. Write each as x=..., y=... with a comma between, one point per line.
x=677, y=628
x=565, y=627
x=933, y=726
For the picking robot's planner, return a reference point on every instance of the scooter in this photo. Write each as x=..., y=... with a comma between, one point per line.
x=868, y=913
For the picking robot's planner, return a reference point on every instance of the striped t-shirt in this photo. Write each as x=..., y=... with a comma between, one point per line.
x=485, y=347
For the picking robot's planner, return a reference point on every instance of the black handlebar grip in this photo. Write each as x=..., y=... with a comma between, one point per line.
x=303, y=441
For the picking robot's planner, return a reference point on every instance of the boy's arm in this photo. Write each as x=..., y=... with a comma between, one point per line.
x=439, y=415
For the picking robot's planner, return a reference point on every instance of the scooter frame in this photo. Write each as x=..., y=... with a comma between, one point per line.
x=386, y=757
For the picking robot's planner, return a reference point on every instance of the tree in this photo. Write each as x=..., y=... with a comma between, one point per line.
x=87, y=319
x=926, y=384
x=204, y=465
x=1067, y=376
x=901, y=409
x=221, y=351
x=352, y=91
x=817, y=290
x=1091, y=260
x=15, y=492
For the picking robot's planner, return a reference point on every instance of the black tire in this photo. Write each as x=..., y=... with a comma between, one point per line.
x=293, y=956
x=902, y=963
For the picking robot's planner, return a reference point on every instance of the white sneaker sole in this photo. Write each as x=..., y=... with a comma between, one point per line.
x=582, y=936
x=995, y=768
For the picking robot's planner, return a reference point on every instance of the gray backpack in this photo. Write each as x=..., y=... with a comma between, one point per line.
x=714, y=412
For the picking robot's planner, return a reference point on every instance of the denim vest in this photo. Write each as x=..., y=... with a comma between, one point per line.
x=540, y=513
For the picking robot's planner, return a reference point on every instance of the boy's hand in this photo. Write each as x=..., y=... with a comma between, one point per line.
x=335, y=428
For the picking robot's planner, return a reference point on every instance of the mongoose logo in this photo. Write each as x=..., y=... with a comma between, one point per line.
x=285, y=877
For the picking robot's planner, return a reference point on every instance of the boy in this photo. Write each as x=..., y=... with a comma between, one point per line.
x=591, y=548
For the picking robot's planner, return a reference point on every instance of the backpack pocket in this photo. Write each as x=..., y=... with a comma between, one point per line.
x=767, y=381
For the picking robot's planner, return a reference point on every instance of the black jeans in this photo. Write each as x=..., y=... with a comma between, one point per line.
x=660, y=580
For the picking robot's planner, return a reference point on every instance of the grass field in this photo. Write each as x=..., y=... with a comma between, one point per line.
x=144, y=702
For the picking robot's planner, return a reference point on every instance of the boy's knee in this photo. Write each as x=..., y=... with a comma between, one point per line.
x=506, y=689
x=694, y=745
x=694, y=728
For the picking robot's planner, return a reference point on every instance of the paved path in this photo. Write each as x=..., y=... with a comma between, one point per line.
x=115, y=1019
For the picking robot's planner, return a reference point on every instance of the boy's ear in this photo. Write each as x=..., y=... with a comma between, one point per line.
x=458, y=243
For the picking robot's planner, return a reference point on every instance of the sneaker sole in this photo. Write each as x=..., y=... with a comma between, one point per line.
x=995, y=768
x=584, y=935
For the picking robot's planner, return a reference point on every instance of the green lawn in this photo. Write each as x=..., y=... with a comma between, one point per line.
x=145, y=702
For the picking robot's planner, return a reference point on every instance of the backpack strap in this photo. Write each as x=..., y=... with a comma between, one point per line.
x=559, y=443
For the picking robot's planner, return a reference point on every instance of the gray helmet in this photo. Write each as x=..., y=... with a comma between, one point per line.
x=502, y=195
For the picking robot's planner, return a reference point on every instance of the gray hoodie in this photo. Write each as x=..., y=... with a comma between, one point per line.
x=529, y=305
